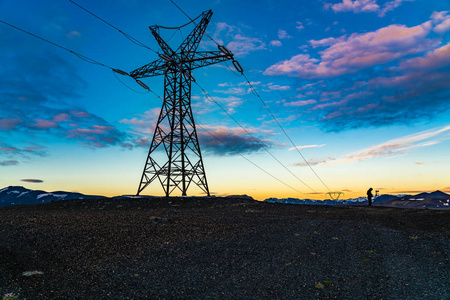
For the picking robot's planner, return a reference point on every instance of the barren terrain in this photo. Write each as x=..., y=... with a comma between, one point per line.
x=222, y=248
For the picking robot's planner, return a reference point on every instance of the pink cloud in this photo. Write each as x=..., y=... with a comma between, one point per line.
x=6, y=163
x=364, y=6
x=333, y=104
x=34, y=148
x=7, y=124
x=80, y=114
x=332, y=115
x=435, y=59
x=325, y=96
x=275, y=43
x=356, y=6
x=239, y=43
x=96, y=136
x=282, y=34
x=276, y=87
x=327, y=41
x=390, y=5
x=92, y=130
x=415, y=69
x=367, y=108
x=441, y=20
x=242, y=45
x=9, y=149
x=143, y=142
x=300, y=103
x=358, y=51
x=44, y=124
x=63, y=117
x=135, y=121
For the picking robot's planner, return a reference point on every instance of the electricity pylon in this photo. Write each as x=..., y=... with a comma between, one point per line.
x=175, y=131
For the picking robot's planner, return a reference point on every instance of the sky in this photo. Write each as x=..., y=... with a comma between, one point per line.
x=360, y=87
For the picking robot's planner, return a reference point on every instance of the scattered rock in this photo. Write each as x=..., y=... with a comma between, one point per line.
x=157, y=220
x=31, y=273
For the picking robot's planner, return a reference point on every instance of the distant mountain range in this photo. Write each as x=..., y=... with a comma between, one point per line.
x=436, y=200
x=18, y=195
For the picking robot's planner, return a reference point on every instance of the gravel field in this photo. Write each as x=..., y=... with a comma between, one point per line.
x=222, y=248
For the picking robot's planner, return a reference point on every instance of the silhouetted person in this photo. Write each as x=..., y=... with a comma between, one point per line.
x=370, y=196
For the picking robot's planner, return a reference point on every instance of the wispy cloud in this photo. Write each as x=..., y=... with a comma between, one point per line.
x=300, y=103
x=306, y=147
x=13, y=154
x=6, y=163
x=364, y=6
x=442, y=21
x=276, y=43
x=275, y=87
x=356, y=6
x=33, y=180
x=236, y=40
x=282, y=34
x=395, y=147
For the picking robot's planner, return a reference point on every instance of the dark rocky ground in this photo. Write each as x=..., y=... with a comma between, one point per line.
x=222, y=249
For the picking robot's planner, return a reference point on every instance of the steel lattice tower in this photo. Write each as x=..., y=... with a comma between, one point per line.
x=175, y=130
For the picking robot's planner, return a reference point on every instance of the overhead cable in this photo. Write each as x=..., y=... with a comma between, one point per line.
x=231, y=148
x=253, y=137
x=114, y=72
x=265, y=105
x=282, y=129
x=179, y=27
x=132, y=39
x=193, y=21
x=85, y=58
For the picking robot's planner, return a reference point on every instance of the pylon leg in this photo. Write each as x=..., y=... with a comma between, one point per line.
x=175, y=134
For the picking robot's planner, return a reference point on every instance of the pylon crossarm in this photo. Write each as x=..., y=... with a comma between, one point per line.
x=164, y=47
x=192, y=41
x=206, y=58
x=152, y=69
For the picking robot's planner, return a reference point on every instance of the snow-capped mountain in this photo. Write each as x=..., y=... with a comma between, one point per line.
x=18, y=195
x=435, y=199
x=318, y=202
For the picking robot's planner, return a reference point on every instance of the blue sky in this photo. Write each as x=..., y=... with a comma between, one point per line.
x=361, y=88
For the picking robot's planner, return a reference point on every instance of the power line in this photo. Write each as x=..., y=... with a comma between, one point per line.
x=253, y=137
x=132, y=39
x=128, y=86
x=265, y=105
x=231, y=148
x=193, y=21
x=89, y=60
x=85, y=58
x=282, y=129
x=279, y=180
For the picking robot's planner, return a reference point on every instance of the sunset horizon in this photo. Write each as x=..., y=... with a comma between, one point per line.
x=335, y=96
